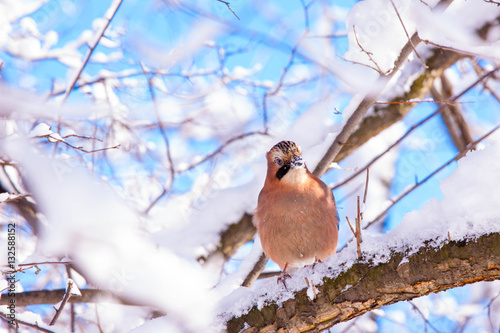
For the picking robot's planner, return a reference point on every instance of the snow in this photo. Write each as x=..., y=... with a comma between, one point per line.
x=8, y=196
x=468, y=210
x=456, y=27
x=379, y=31
x=234, y=280
x=105, y=240
x=74, y=288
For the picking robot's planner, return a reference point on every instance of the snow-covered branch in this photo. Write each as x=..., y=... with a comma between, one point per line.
x=365, y=286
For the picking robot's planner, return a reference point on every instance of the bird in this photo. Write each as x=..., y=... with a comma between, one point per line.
x=296, y=215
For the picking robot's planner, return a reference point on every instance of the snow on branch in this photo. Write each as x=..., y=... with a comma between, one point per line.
x=447, y=243
x=365, y=286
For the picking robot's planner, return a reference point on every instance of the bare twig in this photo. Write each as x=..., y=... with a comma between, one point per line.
x=369, y=54
x=72, y=305
x=81, y=137
x=25, y=323
x=493, y=2
x=366, y=185
x=306, y=13
x=353, y=122
x=92, y=47
x=417, y=184
x=167, y=146
x=358, y=222
x=229, y=7
x=408, y=36
x=439, y=110
x=278, y=87
x=427, y=322
x=489, y=312
x=350, y=226
x=417, y=102
x=98, y=319
x=452, y=116
x=453, y=49
x=479, y=70
x=357, y=235
x=219, y=150
x=65, y=300
x=256, y=270
x=370, y=98
x=52, y=139
x=46, y=263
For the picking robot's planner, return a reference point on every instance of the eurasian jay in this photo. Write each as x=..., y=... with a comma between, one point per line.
x=296, y=215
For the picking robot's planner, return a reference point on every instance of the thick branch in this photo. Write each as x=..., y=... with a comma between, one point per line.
x=365, y=287
x=234, y=237
x=55, y=296
x=387, y=115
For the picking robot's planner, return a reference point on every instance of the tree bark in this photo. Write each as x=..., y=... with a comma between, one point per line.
x=55, y=296
x=365, y=287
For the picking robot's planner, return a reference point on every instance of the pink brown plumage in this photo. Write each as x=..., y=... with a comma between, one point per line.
x=296, y=215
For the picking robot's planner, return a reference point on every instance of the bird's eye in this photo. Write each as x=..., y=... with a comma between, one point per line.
x=278, y=161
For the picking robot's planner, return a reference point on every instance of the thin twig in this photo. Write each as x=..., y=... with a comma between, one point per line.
x=278, y=87
x=493, y=2
x=256, y=270
x=65, y=300
x=408, y=36
x=229, y=7
x=371, y=97
x=358, y=222
x=415, y=102
x=369, y=54
x=52, y=139
x=218, y=150
x=356, y=234
x=427, y=322
x=306, y=13
x=453, y=49
x=72, y=305
x=366, y=185
x=167, y=146
x=25, y=323
x=489, y=311
x=155, y=201
x=91, y=49
x=356, y=117
x=350, y=226
x=98, y=318
x=46, y=263
x=81, y=137
x=439, y=110
x=456, y=158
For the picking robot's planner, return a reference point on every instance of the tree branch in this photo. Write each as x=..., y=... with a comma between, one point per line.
x=24, y=323
x=91, y=50
x=55, y=296
x=461, y=154
x=365, y=287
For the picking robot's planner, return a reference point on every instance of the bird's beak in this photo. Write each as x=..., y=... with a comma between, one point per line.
x=297, y=162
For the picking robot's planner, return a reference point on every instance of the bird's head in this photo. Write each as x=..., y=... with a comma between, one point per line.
x=284, y=163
